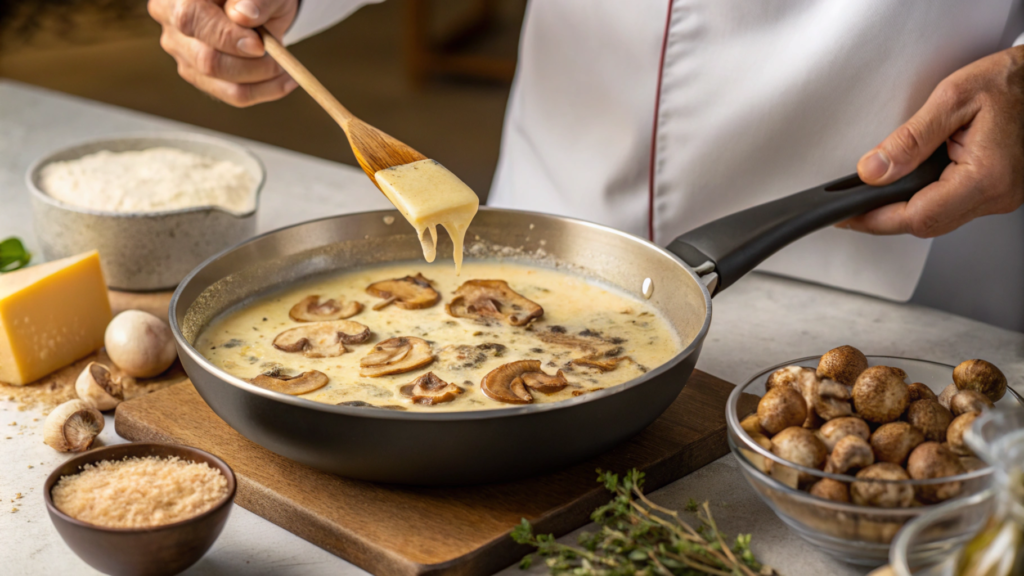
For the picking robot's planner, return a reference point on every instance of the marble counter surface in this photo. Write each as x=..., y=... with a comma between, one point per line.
x=760, y=321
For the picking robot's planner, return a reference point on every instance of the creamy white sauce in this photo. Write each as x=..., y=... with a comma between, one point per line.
x=149, y=180
x=428, y=195
x=240, y=342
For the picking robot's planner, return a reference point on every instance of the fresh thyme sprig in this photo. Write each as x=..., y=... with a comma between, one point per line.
x=640, y=538
x=13, y=255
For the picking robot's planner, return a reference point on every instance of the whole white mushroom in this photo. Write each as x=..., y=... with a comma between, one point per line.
x=139, y=343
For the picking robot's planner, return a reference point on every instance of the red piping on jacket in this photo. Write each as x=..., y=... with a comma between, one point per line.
x=654, y=128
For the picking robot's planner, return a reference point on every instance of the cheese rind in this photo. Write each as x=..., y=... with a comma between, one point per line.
x=51, y=315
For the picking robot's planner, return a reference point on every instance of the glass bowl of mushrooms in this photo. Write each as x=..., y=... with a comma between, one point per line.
x=847, y=448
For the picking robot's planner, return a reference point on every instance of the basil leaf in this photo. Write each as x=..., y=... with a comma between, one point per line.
x=13, y=255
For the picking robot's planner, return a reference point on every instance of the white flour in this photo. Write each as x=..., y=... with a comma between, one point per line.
x=148, y=181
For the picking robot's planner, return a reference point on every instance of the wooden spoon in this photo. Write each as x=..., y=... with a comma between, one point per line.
x=374, y=149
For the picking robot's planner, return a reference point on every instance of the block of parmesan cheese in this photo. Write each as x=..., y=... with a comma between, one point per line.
x=51, y=315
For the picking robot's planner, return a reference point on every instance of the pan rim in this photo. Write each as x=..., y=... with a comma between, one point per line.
x=381, y=414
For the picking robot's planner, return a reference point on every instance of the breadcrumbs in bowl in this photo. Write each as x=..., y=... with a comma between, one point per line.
x=140, y=508
x=140, y=492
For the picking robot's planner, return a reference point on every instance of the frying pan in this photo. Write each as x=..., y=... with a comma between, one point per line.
x=453, y=448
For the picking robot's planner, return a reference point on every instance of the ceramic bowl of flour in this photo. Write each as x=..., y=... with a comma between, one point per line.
x=154, y=205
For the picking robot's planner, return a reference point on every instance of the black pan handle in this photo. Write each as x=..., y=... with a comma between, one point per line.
x=733, y=245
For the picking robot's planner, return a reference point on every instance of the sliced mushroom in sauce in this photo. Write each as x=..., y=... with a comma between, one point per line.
x=300, y=384
x=409, y=293
x=590, y=343
x=602, y=364
x=511, y=383
x=428, y=390
x=311, y=309
x=493, y=300
x=395, y=356
x=322, y=339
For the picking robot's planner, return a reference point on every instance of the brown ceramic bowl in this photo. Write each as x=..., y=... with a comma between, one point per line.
x=158, y=550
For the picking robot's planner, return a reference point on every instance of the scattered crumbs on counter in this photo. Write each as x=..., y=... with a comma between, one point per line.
x=14, y=509
x=30, y=466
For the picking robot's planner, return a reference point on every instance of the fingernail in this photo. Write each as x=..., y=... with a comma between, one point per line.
x=248, y=8
x=875, y=165
x=250, y=46
x=290, y=85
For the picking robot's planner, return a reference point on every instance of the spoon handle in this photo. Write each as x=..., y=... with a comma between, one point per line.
x=305, y=78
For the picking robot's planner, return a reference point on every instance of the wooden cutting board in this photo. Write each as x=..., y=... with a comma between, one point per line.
x=404, y=531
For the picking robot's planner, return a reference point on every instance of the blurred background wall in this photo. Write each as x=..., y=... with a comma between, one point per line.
x=434, y=73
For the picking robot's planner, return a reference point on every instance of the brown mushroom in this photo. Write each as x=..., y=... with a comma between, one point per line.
x=760, y=462
x=830, y=489
x=752, y=425
x=294, y=385
x=892, y=442
x=947, y=395
x=409, y=293
x=933, y=460
x=804, y=381
x=830, y=399
x=311, y=309
x=510, y=383
x=981, y=376
x=955, y=433
x=428, y=390
x=966, y=401
x=493, y=299
x=919, y=391
x=835, y=430
x=322, y=339
x=852, y=452
x=800, y=446
x=931, y=418
x=780, y=408
x=843, y=364
x=788, y=376
x=880, y=394
x=395, y=356
x=864, y=492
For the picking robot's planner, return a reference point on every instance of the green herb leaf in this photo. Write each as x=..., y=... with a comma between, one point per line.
x=13, y=255
x=640, y=538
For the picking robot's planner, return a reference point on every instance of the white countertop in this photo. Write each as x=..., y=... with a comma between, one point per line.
x=760, y=321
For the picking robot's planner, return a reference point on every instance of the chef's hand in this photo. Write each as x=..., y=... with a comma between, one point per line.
x=218, y=52
x=978, y=112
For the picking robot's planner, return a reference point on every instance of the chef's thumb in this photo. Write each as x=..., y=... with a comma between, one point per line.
x=942, y=115
x=253, y=13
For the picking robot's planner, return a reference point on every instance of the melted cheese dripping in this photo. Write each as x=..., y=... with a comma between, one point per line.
x=428, y=195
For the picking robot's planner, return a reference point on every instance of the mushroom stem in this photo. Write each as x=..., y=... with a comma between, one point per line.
x=72, y=427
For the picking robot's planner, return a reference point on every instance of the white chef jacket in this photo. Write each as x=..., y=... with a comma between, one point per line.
x=657, y=116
